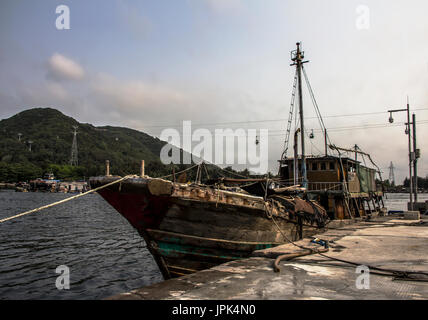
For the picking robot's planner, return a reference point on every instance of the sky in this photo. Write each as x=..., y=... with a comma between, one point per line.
x=151, y=65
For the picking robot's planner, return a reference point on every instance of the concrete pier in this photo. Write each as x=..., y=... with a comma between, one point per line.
x=384, y=242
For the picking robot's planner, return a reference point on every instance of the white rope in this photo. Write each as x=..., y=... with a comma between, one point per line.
x=65, y=200
x=171, y=175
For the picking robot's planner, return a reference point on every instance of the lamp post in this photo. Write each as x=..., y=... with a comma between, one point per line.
x=417, y=155
x=411, y=155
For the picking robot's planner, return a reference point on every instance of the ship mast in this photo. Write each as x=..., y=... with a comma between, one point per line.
x=297, y=57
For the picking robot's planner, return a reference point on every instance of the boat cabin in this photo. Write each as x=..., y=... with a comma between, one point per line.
x=343, y=186
x=326, y=173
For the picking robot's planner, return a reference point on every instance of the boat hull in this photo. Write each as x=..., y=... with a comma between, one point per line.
x=189, y=228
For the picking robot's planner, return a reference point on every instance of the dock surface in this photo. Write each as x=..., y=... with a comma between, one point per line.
x=384, y=242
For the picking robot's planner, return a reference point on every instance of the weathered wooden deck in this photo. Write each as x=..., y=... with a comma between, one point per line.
x=384, y=242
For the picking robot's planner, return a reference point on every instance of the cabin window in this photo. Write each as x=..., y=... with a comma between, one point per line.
x=323, y=166
x=314, y=166
x=332, y=167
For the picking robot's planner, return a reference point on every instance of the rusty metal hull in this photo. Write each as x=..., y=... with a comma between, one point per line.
x=189, y=228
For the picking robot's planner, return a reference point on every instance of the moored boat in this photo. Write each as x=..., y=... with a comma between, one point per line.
x=191, y=227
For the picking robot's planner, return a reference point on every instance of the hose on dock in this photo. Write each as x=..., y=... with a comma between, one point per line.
x=403, y=275
x=291, y=256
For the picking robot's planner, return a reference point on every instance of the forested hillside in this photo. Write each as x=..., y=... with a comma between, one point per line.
x=51, y=134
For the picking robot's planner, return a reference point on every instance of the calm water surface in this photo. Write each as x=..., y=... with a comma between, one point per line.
x=106, y=256
x=398, y=201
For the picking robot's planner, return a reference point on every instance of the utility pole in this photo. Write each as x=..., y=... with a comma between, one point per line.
x=416, y=156
x=297, y=57
x=410, y=154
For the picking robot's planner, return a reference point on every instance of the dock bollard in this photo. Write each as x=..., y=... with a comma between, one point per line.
x=107, y=168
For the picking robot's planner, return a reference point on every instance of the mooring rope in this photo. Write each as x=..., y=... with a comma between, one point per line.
x=81, y=195
x=66, y=200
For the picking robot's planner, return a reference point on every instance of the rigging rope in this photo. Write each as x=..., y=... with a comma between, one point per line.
x=171, y=175
x=290, y=117
x=314, y=101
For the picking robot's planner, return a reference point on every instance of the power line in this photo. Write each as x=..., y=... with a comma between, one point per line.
x=347, y=128
x=378, y=126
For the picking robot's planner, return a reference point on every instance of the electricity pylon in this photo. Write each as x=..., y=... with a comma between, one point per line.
x=74, y=159
x=391, y=175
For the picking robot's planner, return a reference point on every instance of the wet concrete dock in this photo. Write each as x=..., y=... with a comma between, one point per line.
x=384, y=242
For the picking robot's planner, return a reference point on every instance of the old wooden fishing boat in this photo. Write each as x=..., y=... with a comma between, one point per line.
x=194, y=226
x=191, y=227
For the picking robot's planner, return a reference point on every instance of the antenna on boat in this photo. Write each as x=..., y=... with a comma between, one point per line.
x=297, y=57
x=356, y=148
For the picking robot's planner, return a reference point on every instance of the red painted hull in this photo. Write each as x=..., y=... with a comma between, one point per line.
x=193, y=228
x=142, y=210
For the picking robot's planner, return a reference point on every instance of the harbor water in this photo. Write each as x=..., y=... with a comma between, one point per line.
x=104, y=254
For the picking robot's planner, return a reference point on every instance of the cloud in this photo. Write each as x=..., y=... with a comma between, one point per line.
x=63, y=68
x=135, y=98
x=47, y=93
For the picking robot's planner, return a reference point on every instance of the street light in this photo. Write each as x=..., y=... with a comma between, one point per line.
x=391, y=120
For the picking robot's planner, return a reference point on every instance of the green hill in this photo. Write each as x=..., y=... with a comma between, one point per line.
x=52, y=137
x=51, y=134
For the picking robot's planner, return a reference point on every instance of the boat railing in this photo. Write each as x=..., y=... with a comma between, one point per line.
x=323, y=186
x=326, y=186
